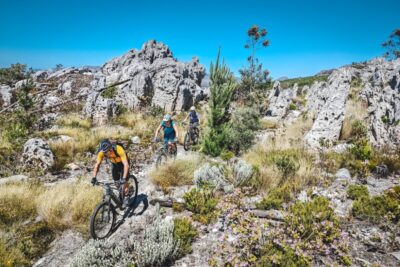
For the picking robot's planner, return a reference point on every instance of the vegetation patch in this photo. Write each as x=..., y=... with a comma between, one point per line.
x=379, y=208
x=184, y=234
x=303, y=81
x=202, y=203
x=110, y=92
x=357, y=191
x=275, y=198
x=176, y=172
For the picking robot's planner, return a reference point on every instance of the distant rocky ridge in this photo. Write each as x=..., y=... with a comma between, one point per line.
x=380, y=89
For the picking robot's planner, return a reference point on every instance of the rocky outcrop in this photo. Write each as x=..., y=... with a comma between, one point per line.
x=37, y=154
x=156, y=78
x=331, y=103
x=279, y=100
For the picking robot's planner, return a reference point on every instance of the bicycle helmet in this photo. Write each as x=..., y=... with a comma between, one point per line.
x=193, y=108
x=105, y=145
x=167, y=117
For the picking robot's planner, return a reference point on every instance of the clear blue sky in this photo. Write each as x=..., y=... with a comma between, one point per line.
x=306, y=36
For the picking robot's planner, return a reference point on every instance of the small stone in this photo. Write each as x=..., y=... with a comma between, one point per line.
x=135, y=140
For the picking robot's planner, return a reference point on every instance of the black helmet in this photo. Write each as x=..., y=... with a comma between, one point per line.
x=105, y=145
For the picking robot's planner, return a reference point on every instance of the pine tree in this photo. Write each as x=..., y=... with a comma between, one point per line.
x=222, y=88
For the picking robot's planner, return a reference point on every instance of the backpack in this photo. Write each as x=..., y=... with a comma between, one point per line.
x=114, y=144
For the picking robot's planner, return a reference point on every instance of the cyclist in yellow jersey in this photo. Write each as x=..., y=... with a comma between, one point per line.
x=119, y=163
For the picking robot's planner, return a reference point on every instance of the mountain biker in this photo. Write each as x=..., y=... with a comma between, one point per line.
x=194, y=117
x=170, y=130
x=119, y=164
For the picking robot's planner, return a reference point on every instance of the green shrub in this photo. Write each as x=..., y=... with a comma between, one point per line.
x=202, y=203
x=292, y=106
x=358, y=131
x=274, y=255
x=227, y=155
x=184, y=234
x=357, y=191
x=310, y=219
x=287, y=164
x=110, y=92
x=275, y=199
x=361, y=150
x=378, y=208
x=385, y=119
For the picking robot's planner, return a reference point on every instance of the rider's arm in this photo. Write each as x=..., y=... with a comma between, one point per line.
x=98, y=162
x=158, y=130
x=176, y=131
x=121, y=152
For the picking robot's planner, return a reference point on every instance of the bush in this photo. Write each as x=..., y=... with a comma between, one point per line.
x=292, y=106
x=310, y=219
x=357, y=191
x=202, y=203
x=245, y=121
x=282, y=255
x=110, y=92
x=379, y=208
x=184, y=235
x=275, y=198
x=16, y=72
x=68, y=205
x=176, y=172
x=103, y=253
x=158, y=245
x=361, y=150
x=242, y=172
x=211, y=175
x=17, y=202
x=287, y=164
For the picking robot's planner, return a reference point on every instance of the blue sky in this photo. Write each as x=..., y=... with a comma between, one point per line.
x=306, y=36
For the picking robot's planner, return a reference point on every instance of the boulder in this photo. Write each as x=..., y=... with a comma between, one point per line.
x=213, y=175
x=5, y=95
x=37, y=154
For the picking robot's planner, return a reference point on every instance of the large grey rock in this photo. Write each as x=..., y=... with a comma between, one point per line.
x=37, y=154
x=212, y=175
x=13, y=179
x=329, y=120
x=62, y=250
x=280, y=99
x=5, y=95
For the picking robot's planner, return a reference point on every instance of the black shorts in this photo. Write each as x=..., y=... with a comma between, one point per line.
x=117, y=171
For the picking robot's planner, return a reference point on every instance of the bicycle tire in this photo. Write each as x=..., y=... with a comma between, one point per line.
x=93, y=232
x=160, y=159
x=186, y=142
x=135, y=185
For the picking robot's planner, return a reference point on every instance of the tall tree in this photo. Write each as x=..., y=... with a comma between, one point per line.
x=222, y=86
x=392, y=45
x=254, y=77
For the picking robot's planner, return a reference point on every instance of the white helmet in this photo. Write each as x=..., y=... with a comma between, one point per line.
x=193, y=108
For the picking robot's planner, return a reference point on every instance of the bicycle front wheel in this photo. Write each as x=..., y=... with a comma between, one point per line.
x=102, y=221
x=162, y=158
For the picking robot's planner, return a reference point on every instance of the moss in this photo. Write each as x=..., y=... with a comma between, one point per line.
x=202, y=203
x=385, y=119
x=292, y=106
x=357, y=191
x=378, y=208
x=184, y=234
x=227, y=155
x=275, y=199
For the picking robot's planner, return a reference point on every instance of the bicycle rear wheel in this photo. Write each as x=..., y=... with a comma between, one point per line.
x=102, y=220
x=186, y=142
x=162, y=158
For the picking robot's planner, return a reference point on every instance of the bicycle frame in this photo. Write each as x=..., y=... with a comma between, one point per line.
x=109, y=195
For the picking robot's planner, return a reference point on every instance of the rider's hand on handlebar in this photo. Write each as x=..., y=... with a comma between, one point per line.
x=94, y=180
x=156, y=139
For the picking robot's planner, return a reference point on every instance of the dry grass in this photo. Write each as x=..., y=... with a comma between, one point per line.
x=74, y=120
x=68, y=205
x=176, y=172
x=17, y=202
x=355, y=110
x=286, y=142
x=267, y=123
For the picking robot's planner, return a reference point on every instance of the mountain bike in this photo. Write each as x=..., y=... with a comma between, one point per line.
x=191, y=136
x=165, y=152
x=104, y=216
